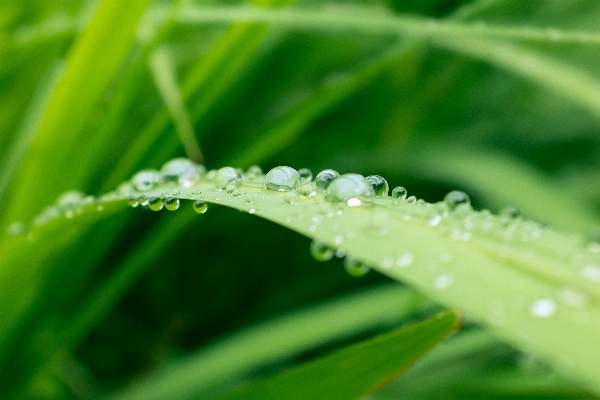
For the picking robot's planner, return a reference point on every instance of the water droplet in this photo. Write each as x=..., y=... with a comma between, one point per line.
x=411, y=200
x=254, y=172
x=133, y=201
x=320, y=251
x=143, y=200
x=200, y=206
x=230, y=188
x=181, y=171
x=282, y=179
x=352, y=189
x=388, y=262
x=307, y=190
x=380, y=185
x=227, y=176
x=591, y=272
x=435, y=220
x=324, y=178
x=354, y=267
x=291, y=198
x=456, y=198
x=172, y=203
x=252, y=211
x=404, y=260
x=155, y=203
x=70, y=199
x=399, y=193
x=543, y=308
x=510, y=212
x=443, y=281
x=145, y=180
x=305, y=174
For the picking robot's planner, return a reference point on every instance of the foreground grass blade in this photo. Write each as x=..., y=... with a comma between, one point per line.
x=233, y=358
x=513, y=275
x=358, y=369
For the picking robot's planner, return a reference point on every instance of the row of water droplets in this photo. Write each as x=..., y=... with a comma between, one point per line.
x=453, y=217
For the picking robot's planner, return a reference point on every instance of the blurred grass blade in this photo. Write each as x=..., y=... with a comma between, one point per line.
x=39, y=101
x=233, y=358
x=358, y=369
x=163, y=73
x=90, y=66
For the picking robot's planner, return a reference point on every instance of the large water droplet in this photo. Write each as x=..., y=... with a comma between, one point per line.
x=145, y=180
x=305, y=174
x=399, y=193
x=282, y=179
x=200, y=206
x=172, y=203
x=354, y=267
x=324, y=178
x=155, y=203
x=380, y=185
x=456, y=198
x=226, y=176
x=543, y=308
x=320, y=251
x=352, y=189
x=182, y=171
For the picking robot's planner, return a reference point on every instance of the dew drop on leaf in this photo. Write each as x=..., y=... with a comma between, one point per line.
x=145, y=180
x=226, y=176
x=354, y=267
x=411, y=199
x=143, y=200
x=254, y=172
x=456, y=198
x=350, y=186
x=200, y=206
x=182, y=171
x=320, y=251
x=399, y=193
x=324, y=178
x=305, y=174
x=282, y=179
x=155, y=203
x=307, y=190
x=380, y=185
x=172, y=203
x=543, y=308
x=133, y=201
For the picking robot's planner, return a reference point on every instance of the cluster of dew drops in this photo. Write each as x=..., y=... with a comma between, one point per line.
x=351, y=190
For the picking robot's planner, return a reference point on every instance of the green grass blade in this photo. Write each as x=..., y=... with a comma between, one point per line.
x=232, y=358
x=358, y=369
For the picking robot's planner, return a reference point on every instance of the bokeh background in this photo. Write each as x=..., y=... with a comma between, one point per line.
x=499, y=98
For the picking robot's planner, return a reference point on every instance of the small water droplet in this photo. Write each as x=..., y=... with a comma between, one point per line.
x=591, y=272
x=200, y=206
x=226, y=176
x=172, y=203
x=354, y=267
x=320, y=251
x=443, y=281
x=380, y=185
x=254, y=172
x=339, y=239
x=145, y=180
x=340, y=253
x=133, y=201
x=399, y=193
x=411, y=200
x=155, y=203
x=456, y=198
x=388, y=262
x=282, y=179
x=404, y=260
x=305, y=174
x=252, y=211
x=510, y=212
x=307, y=190
x=348, y=187
x=230, y=188
x=543, y=308
x=435, y=220
x=291, y=198
x=324, y=178
x=70, y=200
x=143, y=200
